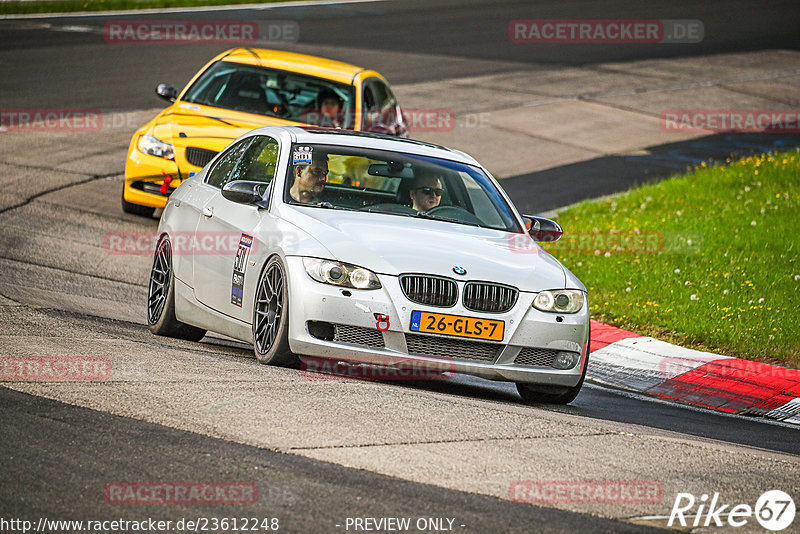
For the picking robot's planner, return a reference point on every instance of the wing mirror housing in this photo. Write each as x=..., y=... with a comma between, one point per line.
x=247, y=192
x=167, y=91
x=542, y=230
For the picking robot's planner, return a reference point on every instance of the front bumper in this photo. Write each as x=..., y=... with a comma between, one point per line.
x=526, y=329
x=144, y=177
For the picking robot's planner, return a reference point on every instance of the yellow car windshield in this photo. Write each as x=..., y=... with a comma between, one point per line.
x=264, y=91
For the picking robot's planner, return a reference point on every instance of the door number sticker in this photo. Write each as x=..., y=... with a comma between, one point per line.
x=239, y=266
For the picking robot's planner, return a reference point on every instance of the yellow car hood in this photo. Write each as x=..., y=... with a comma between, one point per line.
x=184, y=124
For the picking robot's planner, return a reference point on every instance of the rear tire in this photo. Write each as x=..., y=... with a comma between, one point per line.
x=539, y=394
x=161, y=298
x=271, y=317
x=136, y=209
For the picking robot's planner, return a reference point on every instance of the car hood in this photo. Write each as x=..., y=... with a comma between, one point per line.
x=185, y=124
x=390, y=244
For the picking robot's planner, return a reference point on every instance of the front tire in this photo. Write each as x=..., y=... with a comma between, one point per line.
x=271, y=317
x=538, y=394
x=161, y=298
x=135, y=209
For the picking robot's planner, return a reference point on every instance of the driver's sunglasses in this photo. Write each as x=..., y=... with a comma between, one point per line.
x=431, y=190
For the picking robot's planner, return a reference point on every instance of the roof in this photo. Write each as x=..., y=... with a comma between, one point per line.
x=289, y=61
x=329, y=136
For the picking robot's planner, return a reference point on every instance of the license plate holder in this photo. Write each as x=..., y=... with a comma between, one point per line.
x=457, y=325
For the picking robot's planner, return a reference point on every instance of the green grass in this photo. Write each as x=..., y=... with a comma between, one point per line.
x=65, y=6
x=717, y=263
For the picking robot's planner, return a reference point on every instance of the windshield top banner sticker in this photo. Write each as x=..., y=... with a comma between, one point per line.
x=302, y=155
x=239, y=266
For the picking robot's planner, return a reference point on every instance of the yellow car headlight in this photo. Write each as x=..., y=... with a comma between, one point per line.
x=147, y=144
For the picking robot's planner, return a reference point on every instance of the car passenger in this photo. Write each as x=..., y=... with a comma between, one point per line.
x=309, y=180
x=426, y=191
x=330, y=108
x=328, y=113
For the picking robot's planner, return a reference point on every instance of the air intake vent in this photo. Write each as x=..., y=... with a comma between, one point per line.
x=455, y=349
x=199, y=157
x=429, y=290
x=357, y=335
x=489, y=298
x=536, y=357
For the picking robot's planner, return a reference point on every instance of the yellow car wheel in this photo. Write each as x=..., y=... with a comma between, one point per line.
x=135, y=209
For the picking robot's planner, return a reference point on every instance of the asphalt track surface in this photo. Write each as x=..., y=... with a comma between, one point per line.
x=62, y=477
x=58, y=66
x=54, y=454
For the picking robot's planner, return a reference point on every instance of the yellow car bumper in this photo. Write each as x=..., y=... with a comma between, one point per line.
x=145, y=176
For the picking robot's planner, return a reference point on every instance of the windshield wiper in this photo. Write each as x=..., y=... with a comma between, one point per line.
x=425, y=215
x=325, y=205
x=389, y=212
x=329, y=206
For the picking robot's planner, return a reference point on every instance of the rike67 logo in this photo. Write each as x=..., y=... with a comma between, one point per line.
x=774, y=510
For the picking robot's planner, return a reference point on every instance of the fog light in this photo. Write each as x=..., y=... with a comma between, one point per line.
x=565, y=360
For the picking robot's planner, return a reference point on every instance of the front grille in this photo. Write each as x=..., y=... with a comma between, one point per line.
x=357, y=335
x=456, y=349
x=199, y=157
x=536, y=357
x=488, y=297
x=429, y=290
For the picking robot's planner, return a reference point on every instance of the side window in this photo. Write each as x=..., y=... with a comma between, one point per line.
x=259, y=161
x=379, y=105
x=225, y=166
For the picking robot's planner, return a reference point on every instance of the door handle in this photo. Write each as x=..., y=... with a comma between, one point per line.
x=208, y=212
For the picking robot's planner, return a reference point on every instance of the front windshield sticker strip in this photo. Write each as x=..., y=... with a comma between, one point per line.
x=302, y=155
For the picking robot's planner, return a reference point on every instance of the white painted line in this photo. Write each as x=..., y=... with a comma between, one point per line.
x=788, y=413
x=132, y=12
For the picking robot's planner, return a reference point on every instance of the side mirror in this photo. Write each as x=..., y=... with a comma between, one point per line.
x=167, y=91
x=542, y=230
x=246, y=192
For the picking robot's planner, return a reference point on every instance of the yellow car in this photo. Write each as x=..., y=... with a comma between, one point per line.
x=237, y=91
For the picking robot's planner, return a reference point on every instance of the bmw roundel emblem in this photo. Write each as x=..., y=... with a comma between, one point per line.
x=459, y=270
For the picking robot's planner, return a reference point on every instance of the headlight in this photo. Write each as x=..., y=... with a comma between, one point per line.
x=340, y=274
x=559, y=301
x=151, y=146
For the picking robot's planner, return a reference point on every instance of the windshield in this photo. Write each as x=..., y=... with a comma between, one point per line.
x=378, y=181
x=275, y=93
